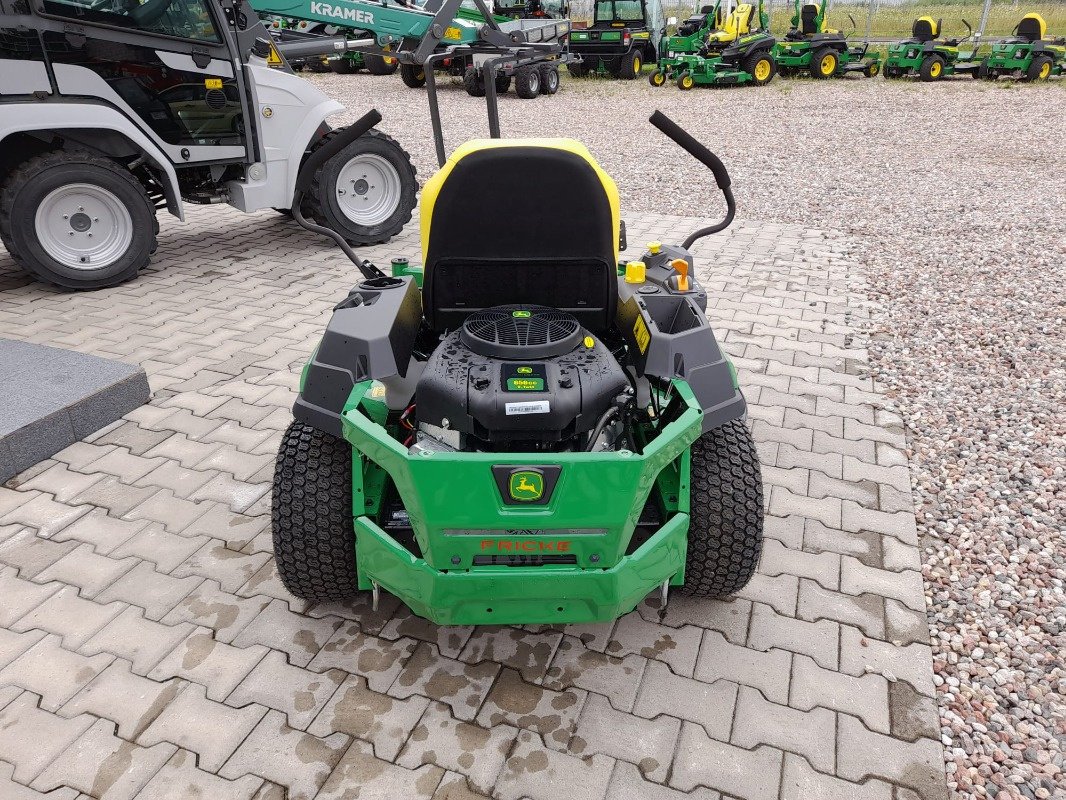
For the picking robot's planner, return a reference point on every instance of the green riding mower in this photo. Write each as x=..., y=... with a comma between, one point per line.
x=931, y=58
x=1029, y=54
x=741, y=51
x=521, y=430
x=811, y=47
x=689, y=39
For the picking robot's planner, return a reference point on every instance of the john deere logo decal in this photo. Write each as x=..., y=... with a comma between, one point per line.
x=526, y=487
x=521, y=314
x=530, y=485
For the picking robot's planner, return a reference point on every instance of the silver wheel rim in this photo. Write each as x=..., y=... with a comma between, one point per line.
x=552, y=79
x=83, y=226
x=368, y=189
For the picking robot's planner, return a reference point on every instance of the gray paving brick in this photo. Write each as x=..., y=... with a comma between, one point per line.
x=746, y=774
x=462, y=686
x=210, y=663
x=296, y=760
x=20, y=596
x=863, y=753
x=69, y=616
x=576, y=666
x=111, y=494
x=279, y=628
x=821, y=567
x=811, y=734
x=179, y=480
x=223, y=524
x=168, y=509
x=61, y=482
x=728, y=617
x=898, y=524
x=10, y=790
x=103, y=765
x=535, y=771
x=800, y=782
x=865, y=697
x=124, y=698
x=44, y=514
x=905, y=586
x=208, y=606
x=155, y=544
x=708, y=704
x=529, y=653
x=863, y=611
x=91, y=573
x=377, y=660
x=31, y=739
x=786, y=530
x=768, y=672
x=217, y=562
x=551, y=714
x=649, y=743
x=13, y=645
x=819, y=640
x=298, y=693
x=55, y=674
x=474, y=751
x=377, y=779
x=778, y=591
x=383, y=721
x=904, y=625
x=628, y=783
x=179, y=779
x=860, y=654
x=152, y=591
x=211, y=730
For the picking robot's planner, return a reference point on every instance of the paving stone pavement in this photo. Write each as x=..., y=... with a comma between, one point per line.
x=149, y=651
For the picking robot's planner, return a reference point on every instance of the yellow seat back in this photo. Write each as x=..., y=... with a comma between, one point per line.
x=736, y=24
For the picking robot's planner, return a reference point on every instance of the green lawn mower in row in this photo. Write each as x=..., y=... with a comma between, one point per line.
x=931, y=58
x=741, y=51
x=521, y=430
x=812, y=47
x=690, y=39
x=1029, y=54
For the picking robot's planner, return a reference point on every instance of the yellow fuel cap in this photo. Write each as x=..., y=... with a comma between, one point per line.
x=655, y=247
x=589, y=342
x=635, y=272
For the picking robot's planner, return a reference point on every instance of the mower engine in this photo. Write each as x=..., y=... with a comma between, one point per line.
x=521, y=378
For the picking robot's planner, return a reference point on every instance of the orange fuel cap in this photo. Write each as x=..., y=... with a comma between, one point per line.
x=681, y=266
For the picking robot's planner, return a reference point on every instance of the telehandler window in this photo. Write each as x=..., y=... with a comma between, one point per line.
x=185, y=19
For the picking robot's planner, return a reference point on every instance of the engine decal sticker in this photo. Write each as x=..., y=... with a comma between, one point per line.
x=535, y=407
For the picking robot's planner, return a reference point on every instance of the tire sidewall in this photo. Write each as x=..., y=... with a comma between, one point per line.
x=28, y=198
x=327, y=189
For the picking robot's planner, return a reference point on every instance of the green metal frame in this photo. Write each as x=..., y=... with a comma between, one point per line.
x=722, y=65
x=796, y=55
x=905, y=59
x=1010, y=57
x=677, y=46
x=457, y=513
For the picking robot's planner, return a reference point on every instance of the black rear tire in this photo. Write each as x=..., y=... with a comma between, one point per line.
x=325, y=208
x=761, y=66
x=932, y=69
x=413, y=76
x=473, y=82
x=311, y=515
x=725, y=532
x=503, y=83
x=32, y=182
x=549, y=78
x=527, y=82
x=1037, y=67
x=820, y=63
x=377, y=65
x=631, y=65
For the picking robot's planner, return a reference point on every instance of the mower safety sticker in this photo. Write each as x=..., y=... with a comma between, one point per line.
x=535, y=407
x=641, y=334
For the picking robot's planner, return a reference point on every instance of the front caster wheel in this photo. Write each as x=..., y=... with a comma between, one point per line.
x=311, y=515
x=726, y=527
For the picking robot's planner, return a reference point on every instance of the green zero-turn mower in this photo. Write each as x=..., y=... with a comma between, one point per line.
x=931, y=58
x=521, y=430
x=812, y=47
x=741, y=51
x=1029, y=54
x=689, y=39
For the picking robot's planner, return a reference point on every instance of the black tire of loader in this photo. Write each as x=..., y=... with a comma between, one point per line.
x=320, y=204
x=377, y=65
x=473, y=82
x=413, y=76
x=725, y=532
x=311, y=515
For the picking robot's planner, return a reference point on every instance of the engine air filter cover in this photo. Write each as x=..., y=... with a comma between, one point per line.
x=521, y=332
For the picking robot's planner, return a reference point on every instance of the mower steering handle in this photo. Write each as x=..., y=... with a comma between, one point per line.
x=685, y=141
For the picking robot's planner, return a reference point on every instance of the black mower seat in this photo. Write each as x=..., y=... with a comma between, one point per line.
x=925, y=29
x=520, y=221
x=1031, y=28
x=695, y=22
x=809, y=20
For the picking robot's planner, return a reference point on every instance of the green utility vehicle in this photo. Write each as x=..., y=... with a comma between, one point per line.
x=811, y=47
x=741, y=51
x=931, y=58
x=1027, y=54
x=690, y=38
x=521, y=430
x=624, y=36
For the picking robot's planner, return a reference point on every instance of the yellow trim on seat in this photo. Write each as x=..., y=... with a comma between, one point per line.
x=1040, y=19
x=433, y=186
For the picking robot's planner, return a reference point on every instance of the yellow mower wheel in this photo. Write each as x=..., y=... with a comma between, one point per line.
x=824, y=64
x=657, y=78
x=685, y=82
x=932, y=69
x=872, y=70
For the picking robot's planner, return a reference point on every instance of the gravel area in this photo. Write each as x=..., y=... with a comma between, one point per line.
x=953, y=196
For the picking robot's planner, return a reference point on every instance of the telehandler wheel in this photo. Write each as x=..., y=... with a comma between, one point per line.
x=630, y=66
x=367, y=191
x=379, y=65
x=726, y=527
x=527, y=82
x=473, y=82
x=413, y=76
x=77, y=220
x=1039, y=69
x=657, y=78
x=685, y=81
x=503, y=83
x=824, y=63
x=932, y=68
x=311, y=515
x=342, y=66
x=549, y=78
x=761, y=67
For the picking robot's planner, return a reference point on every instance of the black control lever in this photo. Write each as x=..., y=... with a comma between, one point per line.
x=699, y=151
